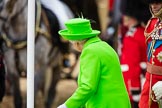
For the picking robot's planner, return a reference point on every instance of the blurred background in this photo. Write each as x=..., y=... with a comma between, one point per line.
x=56, y=62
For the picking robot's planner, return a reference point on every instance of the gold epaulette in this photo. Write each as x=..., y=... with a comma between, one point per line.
x=154, y=34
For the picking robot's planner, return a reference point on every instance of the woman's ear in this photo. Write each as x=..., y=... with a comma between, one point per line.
x=79, y=46
x=77, y=43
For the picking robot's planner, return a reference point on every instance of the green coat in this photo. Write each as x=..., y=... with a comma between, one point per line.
x=100, y=81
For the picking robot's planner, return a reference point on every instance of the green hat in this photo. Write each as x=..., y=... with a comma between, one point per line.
x=78, y=29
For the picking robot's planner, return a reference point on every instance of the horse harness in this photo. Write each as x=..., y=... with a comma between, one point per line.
x=17, y=45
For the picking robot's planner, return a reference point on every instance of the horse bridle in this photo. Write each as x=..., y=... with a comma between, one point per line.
x=5, y=36
x=21, y=44
x=41, y=12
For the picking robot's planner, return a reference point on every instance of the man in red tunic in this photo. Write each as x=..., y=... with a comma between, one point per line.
x=153, y=33
x=133, y=52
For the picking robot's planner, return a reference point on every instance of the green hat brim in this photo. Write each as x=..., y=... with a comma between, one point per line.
x=65, y=34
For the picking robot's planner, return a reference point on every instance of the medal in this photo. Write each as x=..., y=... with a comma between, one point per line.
x=159, y=56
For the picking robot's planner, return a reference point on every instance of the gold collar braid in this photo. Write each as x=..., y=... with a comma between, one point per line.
x=157, y=15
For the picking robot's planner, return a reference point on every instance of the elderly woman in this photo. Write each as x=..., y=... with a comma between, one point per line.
x=100, y=81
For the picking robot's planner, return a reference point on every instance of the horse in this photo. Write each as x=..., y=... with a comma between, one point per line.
x=49, y=48
x=12, y=48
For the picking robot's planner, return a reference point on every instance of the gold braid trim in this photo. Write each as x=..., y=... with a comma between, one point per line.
x=148, y=35
x=159, y=14
x=151, y=47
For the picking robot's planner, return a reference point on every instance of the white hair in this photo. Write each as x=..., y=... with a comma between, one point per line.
x=78, y=41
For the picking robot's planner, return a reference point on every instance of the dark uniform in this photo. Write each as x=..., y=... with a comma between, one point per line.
x=2, y=77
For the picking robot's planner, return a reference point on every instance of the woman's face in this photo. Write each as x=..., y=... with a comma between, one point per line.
x=155, y=7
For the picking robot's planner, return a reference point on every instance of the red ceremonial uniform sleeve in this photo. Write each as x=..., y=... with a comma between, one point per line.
x=139, y=56
x=133, y=53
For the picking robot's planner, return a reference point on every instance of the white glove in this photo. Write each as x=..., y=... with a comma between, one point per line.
x=136, y=98
x=157, y=88
x=62, y=106
x=135, y=95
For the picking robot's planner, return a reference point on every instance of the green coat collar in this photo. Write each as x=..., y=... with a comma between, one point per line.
x=92, y=40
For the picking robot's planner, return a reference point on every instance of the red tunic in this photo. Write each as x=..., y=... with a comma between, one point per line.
x=154, y=59
x=133, y=54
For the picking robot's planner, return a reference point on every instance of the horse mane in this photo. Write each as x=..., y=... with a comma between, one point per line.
x=74, y=7
x=54, y=28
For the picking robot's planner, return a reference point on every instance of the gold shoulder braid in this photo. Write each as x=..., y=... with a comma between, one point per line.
x=155, y=34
